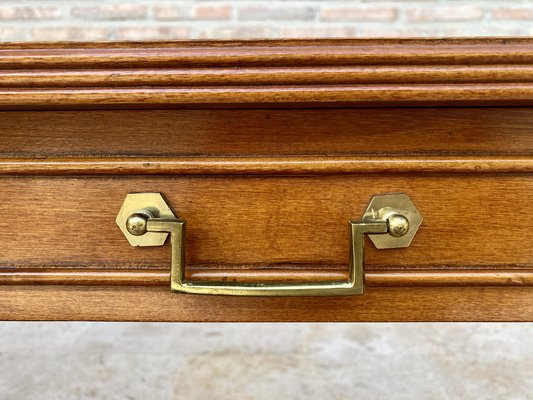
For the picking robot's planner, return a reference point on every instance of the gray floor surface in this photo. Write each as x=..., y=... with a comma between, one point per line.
x=265, y=361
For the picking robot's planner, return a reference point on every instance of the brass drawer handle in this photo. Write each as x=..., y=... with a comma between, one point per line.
x=391, y=221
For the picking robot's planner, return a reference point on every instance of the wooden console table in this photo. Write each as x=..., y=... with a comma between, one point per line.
x=281, y=158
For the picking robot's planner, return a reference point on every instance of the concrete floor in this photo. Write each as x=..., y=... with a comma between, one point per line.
x=265, y=361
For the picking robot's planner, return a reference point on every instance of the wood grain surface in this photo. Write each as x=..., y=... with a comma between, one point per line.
x=504, y=131
x=266, y=165
x=158, y=304
x=157, y=277
x=470, y=221
x=267, y=149
x=271, y=73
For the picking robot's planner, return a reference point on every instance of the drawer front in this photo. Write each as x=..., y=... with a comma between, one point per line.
x=471, y=221
x=267, y=195
x=267, y=149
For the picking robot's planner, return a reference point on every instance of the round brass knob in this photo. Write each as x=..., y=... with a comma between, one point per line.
x=398, y=225
x=136, y=224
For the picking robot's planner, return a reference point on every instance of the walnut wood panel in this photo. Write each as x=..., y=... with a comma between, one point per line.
x=158, y=304
x=470, y=221
x=271, y=73
x=465, y=131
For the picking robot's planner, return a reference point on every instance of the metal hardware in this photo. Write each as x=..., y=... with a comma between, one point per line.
x=391, y=221
x=392, y=207
x=151, y=205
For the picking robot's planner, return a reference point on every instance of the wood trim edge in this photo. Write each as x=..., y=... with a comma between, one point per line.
x=408, y=277
x=318, y=73
x=297, y=165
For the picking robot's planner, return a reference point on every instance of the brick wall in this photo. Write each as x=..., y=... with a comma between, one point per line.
x=48, y=20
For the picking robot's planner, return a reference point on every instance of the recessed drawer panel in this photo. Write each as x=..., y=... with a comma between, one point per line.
x=256, y=222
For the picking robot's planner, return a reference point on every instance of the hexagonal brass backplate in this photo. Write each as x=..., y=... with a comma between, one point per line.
x=136, y=202
x=401, y=203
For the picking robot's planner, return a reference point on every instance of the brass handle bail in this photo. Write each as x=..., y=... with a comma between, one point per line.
x=390, y=221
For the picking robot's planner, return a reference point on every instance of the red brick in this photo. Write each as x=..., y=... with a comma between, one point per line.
x=444, y=13
x=29, y=13
x=111, y=12
x=213, y=12
x=521, y=13
x=237, y=32
x=152, y=33
x=358, y=14
x=407, y=32
x=401, y=1
x=318, y=32
x=173, y=12
x=12, y=34
x=261, y=13
x=69, y=33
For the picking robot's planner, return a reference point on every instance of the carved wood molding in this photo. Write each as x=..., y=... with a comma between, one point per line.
x=288, y=165
x=153, y=277
x=267, y=73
